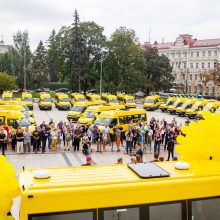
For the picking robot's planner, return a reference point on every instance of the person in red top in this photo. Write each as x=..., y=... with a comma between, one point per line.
x=6, y=127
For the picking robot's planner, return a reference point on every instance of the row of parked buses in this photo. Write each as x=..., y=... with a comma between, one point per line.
x=188, y=107
x=16, y=112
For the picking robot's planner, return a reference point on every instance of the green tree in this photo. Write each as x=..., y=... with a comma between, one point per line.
x=52, y=54
x=95, y=41
x=158, y=71
x=23, y=59
x=39, y=66
x=124, y=65
x=79, y=59
x=7, y=82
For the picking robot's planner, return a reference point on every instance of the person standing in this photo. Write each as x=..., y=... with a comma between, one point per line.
x=54, y=137
x=3, y=139
x=43, y=138
x=36, y=138
x=48, y=132
x=20, y=141
x=170, y=148
x=77, y=137
x=13, y=140
x=157, y=141
x=27, y=140
x=128, y=138
x=99, y=140
x=68, y=138
x=118, y=138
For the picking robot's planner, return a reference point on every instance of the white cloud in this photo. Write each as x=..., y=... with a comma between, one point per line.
x=167, y=18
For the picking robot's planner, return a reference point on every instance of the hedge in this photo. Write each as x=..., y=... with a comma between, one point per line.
x=57, y=85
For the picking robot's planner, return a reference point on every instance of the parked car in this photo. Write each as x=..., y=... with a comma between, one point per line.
x=64, y=90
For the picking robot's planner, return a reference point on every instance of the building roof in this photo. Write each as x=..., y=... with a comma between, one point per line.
x=186, y=40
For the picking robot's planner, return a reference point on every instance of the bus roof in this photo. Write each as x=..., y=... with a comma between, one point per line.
x=105, y=175
x=116, y=113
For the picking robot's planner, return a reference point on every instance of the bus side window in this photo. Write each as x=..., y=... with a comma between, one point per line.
x=143, y=117
x=113, y=122
x=2, y=120
x=135, y=118
x=166, y=211
x=121, y=120
x=205, y=209
x=11, y=122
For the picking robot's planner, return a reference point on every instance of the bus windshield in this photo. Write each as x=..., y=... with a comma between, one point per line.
x=103, y=121
x=77, y=108
x=150, y=101
x=81, y=99
x=29, y=99
x=183, y=106
x=129, y=100
x=6, y=98
x=207, y=107
x=89, y=114
x=23, y=122
x=195, y=106
x=113, y=100
x=46, y=100
x=65, y=100
x=176, y=103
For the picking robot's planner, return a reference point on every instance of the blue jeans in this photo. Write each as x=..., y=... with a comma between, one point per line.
x=157, y=147
x=49, y=141
x=128, y=146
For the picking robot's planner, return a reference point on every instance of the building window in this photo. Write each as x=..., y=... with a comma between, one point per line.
x=173, y=55
x=207, y=90
x=209, y=53
x=203, y=65
x=203, y=53
x=185, y=54
x=213, y=90
x=184, y=65
x=184, y=76
x=191, y=54
x=189, y=90
x=216, y=53
x=190, y=76
x=179, y=65
x=209, y=65
x=197, y=54
x=195, y=76
x=179, y=55
x=215, y=64
x=197, y=65
x=195, y=89
x=191, y=65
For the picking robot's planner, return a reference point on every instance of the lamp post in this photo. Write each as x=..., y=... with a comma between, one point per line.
x=100, y=86
x=25, y=78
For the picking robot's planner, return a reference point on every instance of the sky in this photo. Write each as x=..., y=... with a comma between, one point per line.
x=163, y=19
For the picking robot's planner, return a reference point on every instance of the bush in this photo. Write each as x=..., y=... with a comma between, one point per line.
x=57, y=85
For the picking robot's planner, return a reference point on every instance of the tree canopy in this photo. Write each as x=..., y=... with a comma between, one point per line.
x=75, y=54
x=7, y=82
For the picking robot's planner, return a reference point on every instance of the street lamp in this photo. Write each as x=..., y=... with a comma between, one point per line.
x=25, y=78
x=100, y=86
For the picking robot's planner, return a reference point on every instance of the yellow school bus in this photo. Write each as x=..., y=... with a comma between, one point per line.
x=95, y=98
x=110, y=99
x=77, y=97
x=92, y=112
x=123, y=192
x=120, y=118
x=127, y=100
x=27, y=99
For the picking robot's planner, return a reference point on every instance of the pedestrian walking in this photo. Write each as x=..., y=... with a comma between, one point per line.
x=170, y=148
x=54, y=137
x=77, y=136
x=68, y=138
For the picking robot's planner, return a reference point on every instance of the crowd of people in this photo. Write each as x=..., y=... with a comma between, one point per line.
x=140, y=138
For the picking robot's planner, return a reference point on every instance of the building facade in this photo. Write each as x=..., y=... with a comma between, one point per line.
x=3, y=48
x=190, y=58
